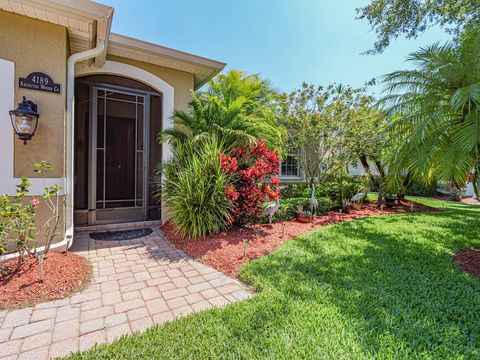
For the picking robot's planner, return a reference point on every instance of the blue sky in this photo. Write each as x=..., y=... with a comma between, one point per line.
x=286, y=41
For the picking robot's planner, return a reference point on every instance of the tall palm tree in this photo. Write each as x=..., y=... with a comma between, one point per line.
x=236, y=108
x=435, y=113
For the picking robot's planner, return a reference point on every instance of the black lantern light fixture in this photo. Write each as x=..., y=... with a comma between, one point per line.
x=25, y=119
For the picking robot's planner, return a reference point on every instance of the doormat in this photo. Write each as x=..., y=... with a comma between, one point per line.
x=121, y=235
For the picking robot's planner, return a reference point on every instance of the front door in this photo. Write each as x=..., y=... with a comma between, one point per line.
x=117, y=181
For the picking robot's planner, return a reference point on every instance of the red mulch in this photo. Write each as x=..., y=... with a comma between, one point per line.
x=224, y=251
x=64, y=273
x=469, y=261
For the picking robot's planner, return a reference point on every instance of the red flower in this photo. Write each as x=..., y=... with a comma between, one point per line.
x=35, y=202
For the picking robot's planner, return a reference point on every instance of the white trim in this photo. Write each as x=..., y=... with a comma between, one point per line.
x=7, y=102
x=203, y=68
x=141, y=45
x=132, y=72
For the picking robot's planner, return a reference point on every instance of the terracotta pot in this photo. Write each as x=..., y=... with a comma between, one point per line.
x=304, y=217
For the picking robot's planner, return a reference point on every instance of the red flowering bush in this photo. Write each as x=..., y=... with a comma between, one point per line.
x=254, y=170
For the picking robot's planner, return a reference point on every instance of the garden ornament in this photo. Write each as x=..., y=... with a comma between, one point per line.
x=270, y=210
x=313, y=203
x=357, y=197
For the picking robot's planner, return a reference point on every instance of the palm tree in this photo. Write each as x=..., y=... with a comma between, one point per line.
x=236, y=108
x=434, y=114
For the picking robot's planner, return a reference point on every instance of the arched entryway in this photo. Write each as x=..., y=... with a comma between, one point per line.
x=117, y=120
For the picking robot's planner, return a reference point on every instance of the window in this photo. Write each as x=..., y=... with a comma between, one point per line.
x=289, y=165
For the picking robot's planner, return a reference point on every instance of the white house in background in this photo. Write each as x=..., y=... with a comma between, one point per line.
x=291, y=171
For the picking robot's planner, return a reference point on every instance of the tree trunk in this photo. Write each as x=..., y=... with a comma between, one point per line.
x=380, y=168
x=366, y=167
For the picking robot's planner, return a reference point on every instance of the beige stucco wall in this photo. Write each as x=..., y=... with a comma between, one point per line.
x=35, y=45
x=181, y=81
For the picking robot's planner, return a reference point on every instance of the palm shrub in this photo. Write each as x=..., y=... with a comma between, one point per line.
x=238, y=109
x=434, y=113
x=193, y=188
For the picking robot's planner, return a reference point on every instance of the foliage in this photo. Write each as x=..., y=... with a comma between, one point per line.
x=376, y=288
x=288, y=208
x=392, y=18
x=254, y=172
x=336, y=191
x=435, y=114
x=420, y=189
x=193, y=188
x=329, y=126
x=237, y=109
x=17, y=216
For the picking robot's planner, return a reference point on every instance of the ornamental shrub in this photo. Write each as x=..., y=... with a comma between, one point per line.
x=254, y=174
x=194, y=189
x=288, y=208
x=17, y=218
x=335, y=191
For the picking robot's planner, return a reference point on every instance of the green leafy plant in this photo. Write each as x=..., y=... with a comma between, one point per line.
x=237, y=108
x=288, y=207
x=335, y=190
x=193, y=189
x=328, y=125
x=392, y=18
x=17, y=216
x=434, y=113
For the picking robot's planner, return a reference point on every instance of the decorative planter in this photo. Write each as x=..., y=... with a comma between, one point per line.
x=304, y=217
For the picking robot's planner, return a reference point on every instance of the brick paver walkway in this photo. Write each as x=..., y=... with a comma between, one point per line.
x=136, y=284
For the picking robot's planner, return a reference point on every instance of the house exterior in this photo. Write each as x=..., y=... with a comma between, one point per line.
x=102, y=99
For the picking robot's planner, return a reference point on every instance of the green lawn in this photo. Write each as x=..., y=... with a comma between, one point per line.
x=382, y=287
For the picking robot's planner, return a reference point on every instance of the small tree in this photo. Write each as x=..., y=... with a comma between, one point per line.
x=54, y=204
x=327, y=125
x=17, y=218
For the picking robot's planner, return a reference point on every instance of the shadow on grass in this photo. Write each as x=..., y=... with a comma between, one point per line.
x=380, y=287
x=391, y=279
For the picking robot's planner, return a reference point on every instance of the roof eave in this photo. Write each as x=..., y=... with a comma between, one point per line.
x=203, y=68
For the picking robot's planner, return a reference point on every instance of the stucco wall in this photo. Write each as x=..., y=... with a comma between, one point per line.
x=182, y=82
x=35, y=45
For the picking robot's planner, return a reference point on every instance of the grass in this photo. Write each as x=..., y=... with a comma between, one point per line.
x=383, y=287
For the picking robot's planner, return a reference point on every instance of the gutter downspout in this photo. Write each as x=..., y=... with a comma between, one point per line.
x=70, y=136
x=72, y=60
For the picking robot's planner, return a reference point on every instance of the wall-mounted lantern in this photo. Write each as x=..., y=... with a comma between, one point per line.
x=25, y=119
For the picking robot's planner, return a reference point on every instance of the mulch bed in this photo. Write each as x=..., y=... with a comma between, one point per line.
x=64, y=273
x=224, y=251
x=469, y=261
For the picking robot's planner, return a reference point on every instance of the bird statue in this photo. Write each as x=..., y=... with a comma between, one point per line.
x=313, y=203
x=357, y=197
x=357, y=200
x=270, y=210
